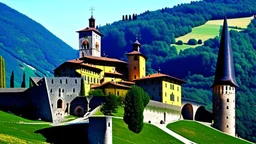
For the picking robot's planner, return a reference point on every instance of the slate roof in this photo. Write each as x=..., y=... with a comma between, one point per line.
x=225, y=73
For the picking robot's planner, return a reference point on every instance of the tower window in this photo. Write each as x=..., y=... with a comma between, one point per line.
x=62, y=90
x=135, y=57
x=74, y=90
x=227, y=100
x=135, y=67
x=75, y=81
x=227, y=117
x=134, y=76
x=227, y=107
x=66, y=81
x=60, y=81
x=52, y=81
x=51, y=90
x=227, y=126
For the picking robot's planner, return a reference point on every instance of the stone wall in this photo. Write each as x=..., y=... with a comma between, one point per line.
x=156, y=117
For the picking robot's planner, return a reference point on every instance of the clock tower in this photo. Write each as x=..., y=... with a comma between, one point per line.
x=90, y=40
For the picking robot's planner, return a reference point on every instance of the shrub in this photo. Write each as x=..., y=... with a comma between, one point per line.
x=192, y=42
x=199, y=41
x=179, y=42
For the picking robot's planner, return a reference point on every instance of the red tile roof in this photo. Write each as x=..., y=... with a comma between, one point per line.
x=112, y=83
x=90, y=66
x=104, y=59
x=128, y=82
x=76, y=61
x=115, y=73
x=90, y=29
x=136, y=53
x=159, y=75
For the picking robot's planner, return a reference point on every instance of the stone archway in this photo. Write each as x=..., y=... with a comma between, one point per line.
x=187, y=111
x=79, y=111
x=203, y=115
x=59, y=104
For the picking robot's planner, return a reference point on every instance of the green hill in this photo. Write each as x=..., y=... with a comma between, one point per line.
x=211, y=29
x=27, y=46
x=149, y=135
x=14, y=131
x=202, y=134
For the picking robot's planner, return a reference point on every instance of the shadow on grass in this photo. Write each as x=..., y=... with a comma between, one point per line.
x=74, y=133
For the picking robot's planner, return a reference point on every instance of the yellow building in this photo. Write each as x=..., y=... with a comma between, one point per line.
x=112, y=88
x=162, y=88
x=136, y=63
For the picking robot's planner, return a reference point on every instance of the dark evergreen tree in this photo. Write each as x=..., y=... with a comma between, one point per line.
x=2, y=73
x=23, y=83
x=179, y=42
x=199, y=41
x=82, y=92
x=12, y=80
x=135, y=101
x=110, y=106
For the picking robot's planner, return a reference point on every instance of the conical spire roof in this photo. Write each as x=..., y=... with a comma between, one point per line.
x=225, y=73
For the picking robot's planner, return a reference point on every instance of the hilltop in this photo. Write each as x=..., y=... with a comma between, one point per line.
x=27, y=46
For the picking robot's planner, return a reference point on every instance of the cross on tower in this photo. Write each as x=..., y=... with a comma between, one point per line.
x=137, y=36
x=92, y=9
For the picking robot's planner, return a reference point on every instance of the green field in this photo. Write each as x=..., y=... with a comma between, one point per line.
x=119, y=113
x=149, y=135
x=201, y=134
x=210, y=30
x=13, y=129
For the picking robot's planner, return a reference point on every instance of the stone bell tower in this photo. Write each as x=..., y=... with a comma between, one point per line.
x=224, y=86
x=90, y=40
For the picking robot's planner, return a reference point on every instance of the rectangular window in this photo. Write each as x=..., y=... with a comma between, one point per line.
x=178, y=99
x=178, y=88
x=118, y=93
x=166, y=85
x=172, y=97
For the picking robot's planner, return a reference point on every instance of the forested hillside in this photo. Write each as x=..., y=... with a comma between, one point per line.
x=158, y=29
x=23, y=40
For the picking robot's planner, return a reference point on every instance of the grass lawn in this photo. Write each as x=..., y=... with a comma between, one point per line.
x=210, y=30
x=202, y=134
x=149, y=135
x=119, y=113
x=13, y=132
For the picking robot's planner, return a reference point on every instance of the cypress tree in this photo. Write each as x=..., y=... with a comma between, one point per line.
x=12, y=80
x=135, y=101
x=2, y=73
x=23, y=84
x=82, y=87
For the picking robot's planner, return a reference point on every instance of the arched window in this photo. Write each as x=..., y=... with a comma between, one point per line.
x=74, y=90
x=52, y=81
x=59, y=103
x=75, y=81
x=60, y=81
x=66, y=81
x=227, y=100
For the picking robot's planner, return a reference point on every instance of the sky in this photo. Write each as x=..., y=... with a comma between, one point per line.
x=64, y=17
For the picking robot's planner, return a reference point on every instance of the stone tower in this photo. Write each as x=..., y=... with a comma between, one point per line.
x=136, y=62
x=100, y=130
x=90, y=40
x=224, y=86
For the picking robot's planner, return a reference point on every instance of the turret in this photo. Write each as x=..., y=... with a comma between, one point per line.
x=136, y=62
x=224, y=86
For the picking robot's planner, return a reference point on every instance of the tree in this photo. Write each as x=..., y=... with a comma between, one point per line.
x=2, y=73
x=135, y=101
x=96, y=92
x=82, y=87
x=179, y=42
x=192, y=41
x=110, y=105
x=23, y=83
x=199, y=41
x=12, y=80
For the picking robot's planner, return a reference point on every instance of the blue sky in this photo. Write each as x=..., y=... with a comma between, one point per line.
x=64, y=17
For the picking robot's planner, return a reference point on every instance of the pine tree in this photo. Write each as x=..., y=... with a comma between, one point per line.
x=23, y=84
x=12, y=80
x=2, y=73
